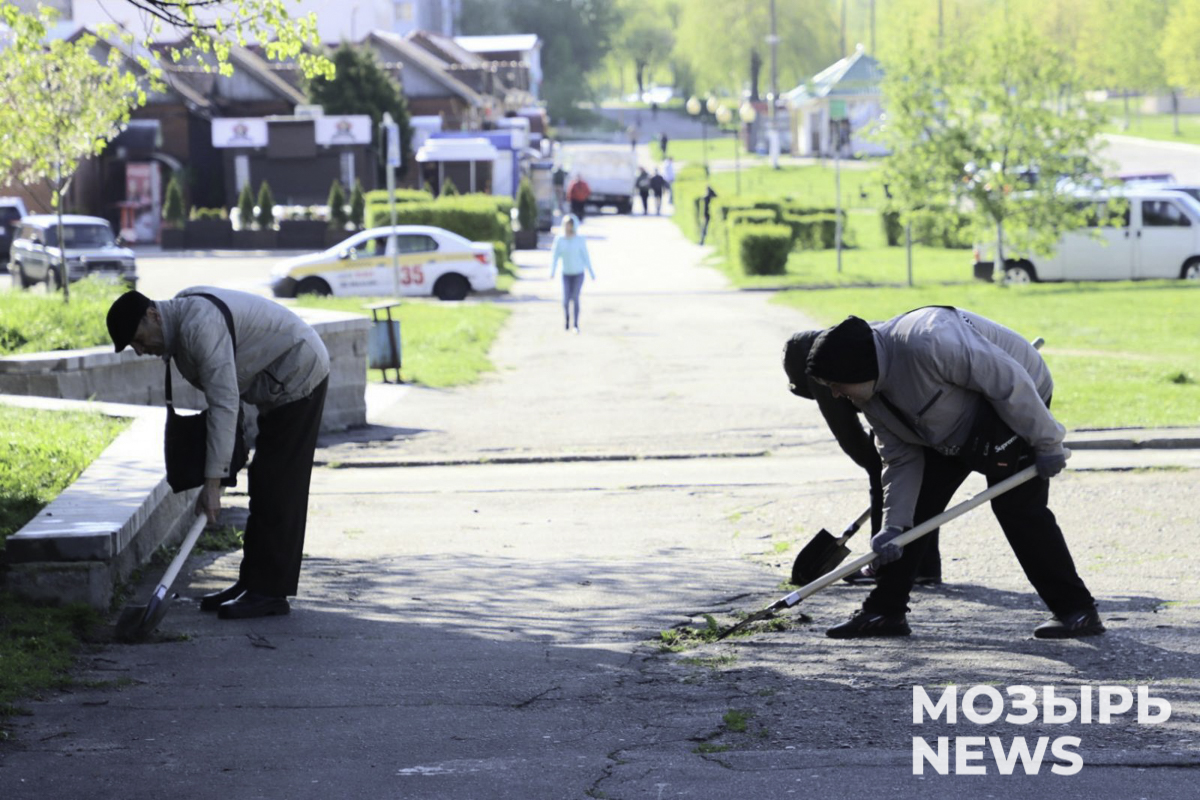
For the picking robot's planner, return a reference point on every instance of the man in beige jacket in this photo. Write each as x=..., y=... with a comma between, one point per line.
x=281, y=366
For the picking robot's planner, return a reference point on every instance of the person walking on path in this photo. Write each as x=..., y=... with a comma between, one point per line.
x=271, y=359
x=642, y=184
x=578, y=193
x=668, y=173
x=709, y=194
x=559, y=178
x=570, y=248
x=662, y=143
x=657, y=184
x=948, y=392
x=841, y=416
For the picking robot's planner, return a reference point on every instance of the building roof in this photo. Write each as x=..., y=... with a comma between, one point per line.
x=857, y=74
x=409, y=53
x=445, y=48
x=508, y=43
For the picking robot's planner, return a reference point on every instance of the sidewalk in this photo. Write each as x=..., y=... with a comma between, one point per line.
x=482, y=618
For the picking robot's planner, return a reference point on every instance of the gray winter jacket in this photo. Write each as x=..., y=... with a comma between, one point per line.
x=935, y=364
x=279, y=359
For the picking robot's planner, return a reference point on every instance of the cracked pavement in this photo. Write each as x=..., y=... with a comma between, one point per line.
x=488, y=570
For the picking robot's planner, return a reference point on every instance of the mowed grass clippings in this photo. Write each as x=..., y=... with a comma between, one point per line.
x=1123, y=354
x=442, y=344
x=33, y=322
x=41, y=453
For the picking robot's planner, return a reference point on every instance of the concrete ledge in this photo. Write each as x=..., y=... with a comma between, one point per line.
x=97, y=373
x=105, y=524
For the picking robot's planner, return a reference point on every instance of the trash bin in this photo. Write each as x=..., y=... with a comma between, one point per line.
x=383, y=343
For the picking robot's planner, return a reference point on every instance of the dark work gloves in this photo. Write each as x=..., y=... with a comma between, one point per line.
x=1050, y=464
x=881, y=544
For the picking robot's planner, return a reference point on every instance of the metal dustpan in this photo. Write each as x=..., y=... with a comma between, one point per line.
x=137, y=622
x=824, y=552
x=811, y=588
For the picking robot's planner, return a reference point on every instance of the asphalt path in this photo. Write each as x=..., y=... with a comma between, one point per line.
x=488, y=570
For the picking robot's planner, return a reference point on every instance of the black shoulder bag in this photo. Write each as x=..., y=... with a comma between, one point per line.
x=185, y=443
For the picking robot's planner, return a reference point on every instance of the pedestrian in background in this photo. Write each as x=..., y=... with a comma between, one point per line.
x=657, y=184
x=662, y=143
x=642, y=184
x=578, y=193
x=236, y=347
x=709, y=194
x=559, y=177
x=947, y=393
x=668, y=173
x=570, y=248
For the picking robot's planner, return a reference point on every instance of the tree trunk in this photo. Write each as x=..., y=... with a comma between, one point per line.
x=1175, y=109
x=639, y=71
x=755, y=68
x=64, y=276
x=999, y=267
x=1125, y=94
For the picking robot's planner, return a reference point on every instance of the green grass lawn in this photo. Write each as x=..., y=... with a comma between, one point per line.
x=33, y=323
x=1151, y=126
x=1123, y=354
x=442, y=344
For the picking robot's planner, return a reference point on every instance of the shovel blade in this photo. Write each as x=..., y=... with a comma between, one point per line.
x=819, y=557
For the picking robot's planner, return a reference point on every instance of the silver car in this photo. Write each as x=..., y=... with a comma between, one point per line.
x=91, y=249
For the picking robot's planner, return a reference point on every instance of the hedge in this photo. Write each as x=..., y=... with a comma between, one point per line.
x=744, y=216
x=475, y=217
x=813, y=231
x=893, y=231
x=402, y=196
x=761, y=249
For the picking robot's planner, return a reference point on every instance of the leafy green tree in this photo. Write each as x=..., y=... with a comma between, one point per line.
x=990, y=128
x=527, y=211
x=646, y=37
x=576, y=36
x=358, y=204
x=360, y=86
x=60, y=104
x=266, y=207
x=337, y=206
x=448, y=188
x=246, y=207
x=1116, y=46
x=1179, y=50
x=174, y=211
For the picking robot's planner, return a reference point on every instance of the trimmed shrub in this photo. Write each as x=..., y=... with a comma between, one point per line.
x=942, y=229
x=761, y=249
x=746, y=216
x=402, y=196
x=527, y=211
x=266, y=207
x=501, y=253
x=448, y=188
x=813, y=231
x=174, y=211
x=474, y=217
x=337, y=206
x=893, y=230
x=246, y=208
x=358, y=204
x=209, y=213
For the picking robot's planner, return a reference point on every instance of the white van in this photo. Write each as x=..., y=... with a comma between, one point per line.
x=1159, y=237
x=609, y=171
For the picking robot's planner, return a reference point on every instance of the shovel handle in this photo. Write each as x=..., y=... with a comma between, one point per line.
x=185, y=550
x=915, y=533
x=853, y=527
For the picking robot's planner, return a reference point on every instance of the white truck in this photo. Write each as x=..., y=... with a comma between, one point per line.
x=608, y=170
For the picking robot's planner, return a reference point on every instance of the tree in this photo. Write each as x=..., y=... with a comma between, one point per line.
x=527, y=210
x=266, y=207
x=360, y=86
x=337, y=206
x=358, y=204
x=1179, y=52
x=61, y=104
x=1115, y=46
x=645, y=39
x=246, y=207
x=448, y=188
x=576, y=36
x=174, y=211
x=991, y=129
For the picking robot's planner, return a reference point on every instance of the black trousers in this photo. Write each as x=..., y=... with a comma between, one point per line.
x=1028, y=524
x=279, y=476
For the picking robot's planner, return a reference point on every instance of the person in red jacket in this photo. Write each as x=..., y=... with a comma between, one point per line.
x=578, y=193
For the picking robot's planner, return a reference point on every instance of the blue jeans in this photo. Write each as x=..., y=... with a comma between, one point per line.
x=571, y=286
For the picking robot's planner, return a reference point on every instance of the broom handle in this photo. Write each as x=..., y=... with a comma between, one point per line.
x=908, y=536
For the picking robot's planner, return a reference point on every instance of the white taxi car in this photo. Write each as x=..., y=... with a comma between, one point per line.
x=427, y=261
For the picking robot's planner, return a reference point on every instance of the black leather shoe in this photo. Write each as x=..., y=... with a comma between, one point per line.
x=1071, y=626
x=211, y=602
x=252, y=604
x=864, y=577
x=868, y=623
x=928, y=580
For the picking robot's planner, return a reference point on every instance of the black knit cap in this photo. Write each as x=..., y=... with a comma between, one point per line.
x=124, y=316
x=795, y=361
x=844, y=353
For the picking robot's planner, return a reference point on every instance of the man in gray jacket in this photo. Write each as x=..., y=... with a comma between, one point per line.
x=948, y=392
x=280, y=365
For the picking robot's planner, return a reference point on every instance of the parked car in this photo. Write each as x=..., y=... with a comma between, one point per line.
x=11, y=211
x=91, y=249
x=428, y=261
x=1158, y=236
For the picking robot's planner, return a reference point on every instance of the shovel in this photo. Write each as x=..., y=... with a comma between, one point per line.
x=136, y=622
x=811, y=588
x=824, y=552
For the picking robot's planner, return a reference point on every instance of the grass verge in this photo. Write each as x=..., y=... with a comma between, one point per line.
x=41, y=453
x=442, y=344
x=1123, y=354
x=34, y=322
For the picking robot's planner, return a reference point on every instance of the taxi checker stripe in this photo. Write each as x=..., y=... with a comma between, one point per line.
x=404, y=260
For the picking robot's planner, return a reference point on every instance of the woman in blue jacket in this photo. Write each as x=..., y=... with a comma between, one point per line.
x=571, y=249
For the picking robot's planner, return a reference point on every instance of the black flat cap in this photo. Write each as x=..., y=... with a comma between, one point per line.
x=124, y=315
x=844, y=353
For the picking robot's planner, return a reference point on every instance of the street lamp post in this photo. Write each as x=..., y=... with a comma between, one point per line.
x=747, y=115
x=724, y=115
x=696, y=109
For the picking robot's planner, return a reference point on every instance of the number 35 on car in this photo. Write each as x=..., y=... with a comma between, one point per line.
x=414, y=260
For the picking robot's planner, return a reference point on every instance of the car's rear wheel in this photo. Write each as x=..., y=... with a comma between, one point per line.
x=451, y=287
x=316, y=286
x=1019, y=272
x=1191, y=270
x=21, y=279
